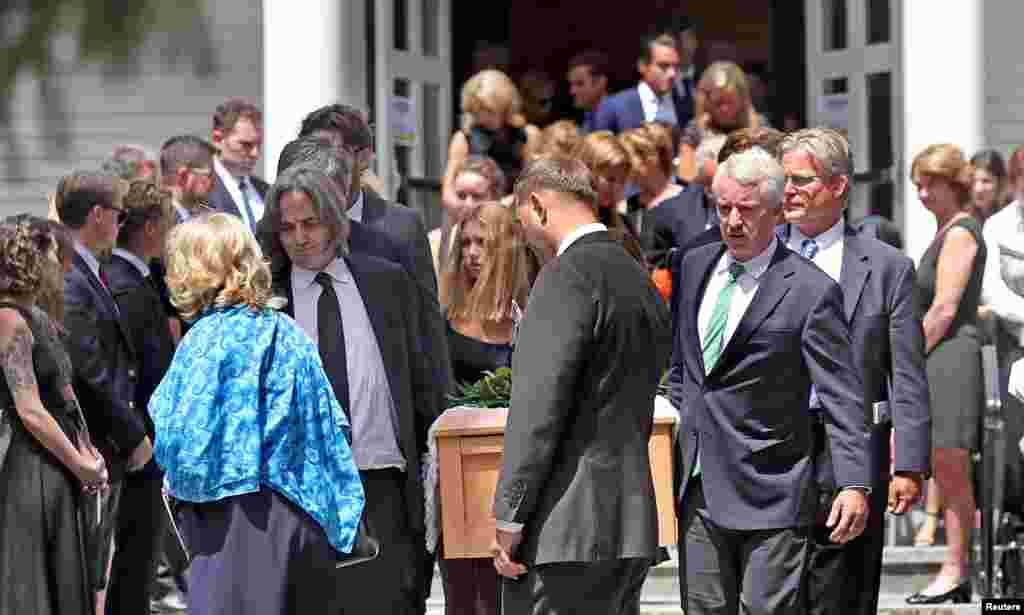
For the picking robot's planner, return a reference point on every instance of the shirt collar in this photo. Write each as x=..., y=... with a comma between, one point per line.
x=356, y=211
x=687, y=73
x=754, y=267
x=225, y=175
x=89, y=258
x=646, y=93
x=824, y=240
x=137, y=262
x=580, y=231
x=337, y=269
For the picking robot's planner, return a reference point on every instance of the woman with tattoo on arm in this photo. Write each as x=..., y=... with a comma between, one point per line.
x=47, y=459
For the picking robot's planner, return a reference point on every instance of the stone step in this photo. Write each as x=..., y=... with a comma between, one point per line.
x=905, y=570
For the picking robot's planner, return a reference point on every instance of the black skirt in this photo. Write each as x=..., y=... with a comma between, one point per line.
x=42, y=562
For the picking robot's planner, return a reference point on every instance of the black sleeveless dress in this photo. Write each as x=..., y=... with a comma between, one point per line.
x=954, y=369
x=42, y=559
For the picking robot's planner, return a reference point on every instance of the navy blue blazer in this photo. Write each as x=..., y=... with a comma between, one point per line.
x=220, y=199
x=888, y=347
x=749, y=414
x=105, y=365
x=619, y=112
x=393, y=305
x=144, y=316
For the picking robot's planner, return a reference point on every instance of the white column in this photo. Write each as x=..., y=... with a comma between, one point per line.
x=943, y=94
x=313, y=54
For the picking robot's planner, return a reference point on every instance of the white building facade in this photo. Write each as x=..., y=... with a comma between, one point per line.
x=897, y=74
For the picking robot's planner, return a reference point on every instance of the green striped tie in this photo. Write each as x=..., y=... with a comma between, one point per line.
x=714, y=335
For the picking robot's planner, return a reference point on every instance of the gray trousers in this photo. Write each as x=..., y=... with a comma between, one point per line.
x=729, y=572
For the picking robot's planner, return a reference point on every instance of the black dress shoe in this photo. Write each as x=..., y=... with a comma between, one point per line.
x=961, y=594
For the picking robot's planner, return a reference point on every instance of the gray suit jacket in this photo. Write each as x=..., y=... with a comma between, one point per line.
x=590, y=351
x=888, y=345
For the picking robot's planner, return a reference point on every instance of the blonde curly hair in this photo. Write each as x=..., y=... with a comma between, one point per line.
x=213, y=262
x=494, y=90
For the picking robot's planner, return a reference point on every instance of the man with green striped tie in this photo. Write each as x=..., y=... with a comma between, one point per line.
x=756, y=328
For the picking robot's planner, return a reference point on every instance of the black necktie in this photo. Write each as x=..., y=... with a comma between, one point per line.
x=331, y=335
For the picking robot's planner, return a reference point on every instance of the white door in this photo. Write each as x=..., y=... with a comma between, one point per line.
x=413, y=98
x=854, y=83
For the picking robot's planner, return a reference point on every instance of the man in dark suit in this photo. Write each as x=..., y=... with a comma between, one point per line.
x=100, y=347
x=684, y=87
x=347, y=128
x=238, y=137
x=588, y=85
x=651, y=100
x=576, y=516
x=142, y=521
x=758, y=327
x=888, y=347
x=363, y=312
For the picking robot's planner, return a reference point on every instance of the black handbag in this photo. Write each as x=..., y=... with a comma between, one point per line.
x=366, y=548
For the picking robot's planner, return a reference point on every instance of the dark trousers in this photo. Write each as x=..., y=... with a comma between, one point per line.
x=726, y=572
x=392, y=583
x=471, y=586
x=575, y=588
x=847, y=578
x=140, y=528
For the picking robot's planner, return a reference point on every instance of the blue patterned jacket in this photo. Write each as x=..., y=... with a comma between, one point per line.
x=246, y=403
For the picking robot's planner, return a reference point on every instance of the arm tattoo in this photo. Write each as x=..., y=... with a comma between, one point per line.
x=16, y=360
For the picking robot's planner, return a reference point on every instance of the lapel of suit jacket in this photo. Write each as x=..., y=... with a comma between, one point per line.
x=694, y=287
x=373, y=297
x=285, y=288
x=106, y=297
x=373, y=206
x=220, y=197
x=854, y=273
x=772, y=287
x=636, y=106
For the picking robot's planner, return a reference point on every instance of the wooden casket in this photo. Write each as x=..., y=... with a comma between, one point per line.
x=469, y=450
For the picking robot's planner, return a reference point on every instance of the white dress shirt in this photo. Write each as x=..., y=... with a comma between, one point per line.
x=746, y=287
x=234, y=186
x=356, y=211
x=1004, y=240
x=651, y=101
x=373, y=415
x=586, y=229
x=830, y=247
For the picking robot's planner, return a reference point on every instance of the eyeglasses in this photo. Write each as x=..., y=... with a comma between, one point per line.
x=122, y=215
x=802, y=181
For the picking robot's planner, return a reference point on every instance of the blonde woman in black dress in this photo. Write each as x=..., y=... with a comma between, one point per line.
x=948, y=292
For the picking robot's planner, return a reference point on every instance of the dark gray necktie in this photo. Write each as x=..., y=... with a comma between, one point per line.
x=331, y=339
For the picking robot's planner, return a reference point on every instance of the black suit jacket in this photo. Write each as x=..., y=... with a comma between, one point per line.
x=590, y=352
x=888, y=347
x=393, y=304
x=105, y=366
x=749, y=414
x=220, y=199
x=404, y=225
x=144, y=316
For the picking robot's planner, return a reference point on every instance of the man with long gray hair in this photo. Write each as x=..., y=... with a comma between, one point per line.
x=364, y=313
x=888, y=348
x=758, y=326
